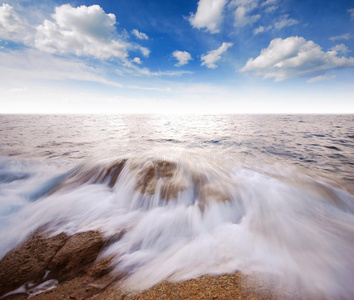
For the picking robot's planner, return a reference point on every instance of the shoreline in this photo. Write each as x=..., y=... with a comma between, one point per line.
x=73, y=262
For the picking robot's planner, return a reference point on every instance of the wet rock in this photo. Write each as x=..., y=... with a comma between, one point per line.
x=79, y=288
x=100, y=268
x=113, y=172
x=96, y=174
x=214, y=192
x=29, y=261
x=151, y=173
x=78, y=252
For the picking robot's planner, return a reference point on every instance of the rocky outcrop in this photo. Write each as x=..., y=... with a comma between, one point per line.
x=72, y=260
x=77, y=253
x=29, y=261
x=64, y=257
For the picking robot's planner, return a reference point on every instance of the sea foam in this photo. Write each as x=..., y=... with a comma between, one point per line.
x=181, y=218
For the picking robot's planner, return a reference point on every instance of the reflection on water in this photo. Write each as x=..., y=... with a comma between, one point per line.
x=322, y=144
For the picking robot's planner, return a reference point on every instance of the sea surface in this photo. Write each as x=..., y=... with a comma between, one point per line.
x=193, y=194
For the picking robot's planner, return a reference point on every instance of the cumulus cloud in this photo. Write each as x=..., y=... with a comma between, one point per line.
x=183, y=57
x=144, y=51
x=246, y=12
x=351, y=11
x=84, y=31
x=10, y=23
x=137, y=60
x=295, y=57
x=341, y=48
x=214, y=56
x=208, y=15
x=140, y=35
x=345, y=36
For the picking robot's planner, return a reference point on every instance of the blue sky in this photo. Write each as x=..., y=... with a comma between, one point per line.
x=207, y=56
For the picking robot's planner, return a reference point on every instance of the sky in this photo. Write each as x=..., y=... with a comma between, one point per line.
x=181, y=56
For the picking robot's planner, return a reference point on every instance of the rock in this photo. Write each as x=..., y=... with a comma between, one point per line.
x=113, y=172
x=172, y=178
x=102, y=267
x=29, y=261
x=79, y=288
x=78, y=252
x=66, y=258
x=95, y=174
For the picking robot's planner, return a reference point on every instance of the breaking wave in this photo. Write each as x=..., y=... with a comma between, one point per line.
x=179, y=218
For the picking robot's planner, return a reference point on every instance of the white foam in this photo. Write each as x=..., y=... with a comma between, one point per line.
x=286, y=228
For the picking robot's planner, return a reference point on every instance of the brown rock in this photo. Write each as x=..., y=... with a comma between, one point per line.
x=149, y=174
x=78, y=252
x=79, y=288
x=95, y=174
x=29, y=261
x=113, y=172
x=102, y=267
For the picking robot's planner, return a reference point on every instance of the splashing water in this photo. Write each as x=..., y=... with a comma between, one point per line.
x=182, y=217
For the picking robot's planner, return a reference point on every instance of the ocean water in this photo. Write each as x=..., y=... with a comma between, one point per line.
x=193, y=194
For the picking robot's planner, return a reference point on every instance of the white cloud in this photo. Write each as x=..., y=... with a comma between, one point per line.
x=295, y=57
x=214, y=56
x=345, y=36
x=243, y=11
x=84, y=31
x=258, y=30
x=10, y=23
x=271, y=9
x=269, y=6
x=137, y=60
x=351, y=11
x=147, y=72
x=183, y=57
x=31, y=65
x=145, y=51
x=242, y=18
x=279, y=23
x=248, y=12
x=140, y=35
x=269, y=2
x=340, y=48
x=32, y=68
x=208, y=15
x=284, y=21
x=129, y=68
x=321, y=78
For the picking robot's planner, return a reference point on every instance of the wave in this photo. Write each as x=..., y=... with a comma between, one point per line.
x=179, y=218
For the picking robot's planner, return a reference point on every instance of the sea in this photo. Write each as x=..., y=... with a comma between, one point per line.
x=189, y=195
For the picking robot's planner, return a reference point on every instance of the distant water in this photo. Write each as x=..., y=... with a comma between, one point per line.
x=207, y=194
